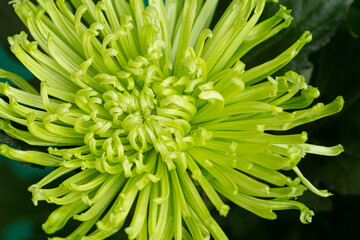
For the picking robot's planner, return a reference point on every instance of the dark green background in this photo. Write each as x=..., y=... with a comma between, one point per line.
x=331, y=62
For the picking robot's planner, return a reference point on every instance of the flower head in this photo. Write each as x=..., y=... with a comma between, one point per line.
x=152, y=107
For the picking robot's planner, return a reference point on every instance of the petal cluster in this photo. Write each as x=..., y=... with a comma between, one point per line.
x=144, y=109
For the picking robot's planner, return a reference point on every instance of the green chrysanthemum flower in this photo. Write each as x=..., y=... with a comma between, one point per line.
x=146, y=107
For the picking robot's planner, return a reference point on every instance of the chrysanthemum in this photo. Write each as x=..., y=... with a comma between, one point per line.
x=145, y=108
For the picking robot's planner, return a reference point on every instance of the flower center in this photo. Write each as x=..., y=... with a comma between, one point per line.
x=164, y=134
x=149, y=110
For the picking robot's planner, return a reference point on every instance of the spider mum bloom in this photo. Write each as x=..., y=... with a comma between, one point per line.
x=144, y=107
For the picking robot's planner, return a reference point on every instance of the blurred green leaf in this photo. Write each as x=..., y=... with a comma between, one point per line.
x=10, y=24
x=17, y=199
x=353, y=19
x=320, y=17
x=337, y=72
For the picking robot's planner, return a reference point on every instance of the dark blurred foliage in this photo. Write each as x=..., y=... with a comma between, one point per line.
x=331, y=62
